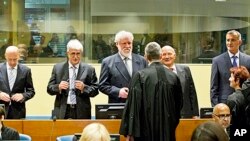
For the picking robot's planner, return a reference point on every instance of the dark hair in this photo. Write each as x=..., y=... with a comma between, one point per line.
x=2, y=112
x=209, y=131
x=240, y=73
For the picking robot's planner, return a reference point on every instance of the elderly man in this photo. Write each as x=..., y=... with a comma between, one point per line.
x=73, y=83
x=118, y=69
x=190, y=107
x=16, y=85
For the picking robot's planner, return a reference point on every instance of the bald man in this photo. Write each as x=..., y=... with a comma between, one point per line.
x=190, y=107
x=16, y=86
x=221, y=114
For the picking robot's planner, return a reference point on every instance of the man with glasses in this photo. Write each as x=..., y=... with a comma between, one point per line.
x=221, y=114
x=73, y=82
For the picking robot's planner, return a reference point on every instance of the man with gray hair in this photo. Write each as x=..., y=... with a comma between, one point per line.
x=118, y=69
x=152, y=110
x=73, y=83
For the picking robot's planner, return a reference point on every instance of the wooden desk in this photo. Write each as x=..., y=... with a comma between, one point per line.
x=48, y=130
x=16, y=124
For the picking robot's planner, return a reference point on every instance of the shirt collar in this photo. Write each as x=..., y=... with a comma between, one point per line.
x=231, y=55
x=123, y=57
x=76, y=66
x=8, y=66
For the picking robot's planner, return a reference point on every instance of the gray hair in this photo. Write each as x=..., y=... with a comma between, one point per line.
x=153, y=51
x=234, y=32
x=74, y=44
x=123, y=34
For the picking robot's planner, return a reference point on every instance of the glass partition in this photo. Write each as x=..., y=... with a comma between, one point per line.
x=195, y=28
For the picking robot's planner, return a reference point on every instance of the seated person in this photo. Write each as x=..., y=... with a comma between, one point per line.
x=209, y=131
x=23, y=51
x=236, y=101
x=7, y=133
x=95, y=132
x=221, y=114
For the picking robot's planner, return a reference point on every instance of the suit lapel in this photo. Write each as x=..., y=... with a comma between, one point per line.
x=80, y=71
x=135, y=63
x=119, y=64
x=227, y=60
x=19, y=73
x=5, y=75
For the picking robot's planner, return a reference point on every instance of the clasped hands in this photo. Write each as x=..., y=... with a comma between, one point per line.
x=65, y=85
x=15, y=97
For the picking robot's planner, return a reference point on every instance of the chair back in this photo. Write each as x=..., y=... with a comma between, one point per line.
x=24, y=137
x=65, y=138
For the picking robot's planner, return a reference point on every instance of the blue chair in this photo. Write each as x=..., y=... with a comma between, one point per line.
x=65, y=138
x=24, y=137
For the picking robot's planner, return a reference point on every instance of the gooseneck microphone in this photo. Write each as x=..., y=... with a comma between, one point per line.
x=53, y=124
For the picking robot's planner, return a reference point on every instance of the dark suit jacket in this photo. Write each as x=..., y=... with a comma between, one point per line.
x=115, y=76
x=23, y=84
x=190, y=104
x=87, y=75
x=220, y=74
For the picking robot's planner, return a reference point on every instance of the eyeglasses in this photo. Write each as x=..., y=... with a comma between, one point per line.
x=77, y=54
x=223, y=116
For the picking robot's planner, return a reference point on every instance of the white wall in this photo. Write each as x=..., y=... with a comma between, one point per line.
x=42, y=103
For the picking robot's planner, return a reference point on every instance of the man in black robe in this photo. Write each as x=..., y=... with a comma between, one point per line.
x=152, y=110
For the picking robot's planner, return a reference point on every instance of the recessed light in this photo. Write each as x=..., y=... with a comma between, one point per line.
x=220, y=0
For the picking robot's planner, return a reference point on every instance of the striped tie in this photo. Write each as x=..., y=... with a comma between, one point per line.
x=127, y=66
x=72, y=86
x=11, y=77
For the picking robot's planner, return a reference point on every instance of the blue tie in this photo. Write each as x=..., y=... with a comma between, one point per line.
x=234, y=61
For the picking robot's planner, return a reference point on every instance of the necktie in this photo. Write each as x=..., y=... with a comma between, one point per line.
x=72, y=86
x=234, y=61
x=127, y=66
x=11, y=77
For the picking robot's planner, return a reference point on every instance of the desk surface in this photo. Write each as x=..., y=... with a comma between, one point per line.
x=46, y=130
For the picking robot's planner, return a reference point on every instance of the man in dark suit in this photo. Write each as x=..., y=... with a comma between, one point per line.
x=190, y=107
x=118, y=69
x=152, y=110
x=73, y=82
x=220, y=74
x=16, y=86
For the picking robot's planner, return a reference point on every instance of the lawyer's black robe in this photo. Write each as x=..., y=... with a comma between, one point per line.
x=152, y=110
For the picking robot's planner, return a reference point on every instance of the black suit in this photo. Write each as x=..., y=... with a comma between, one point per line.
x=23, y=84
x=115, y=76
x=190, y=103
x=87, y=75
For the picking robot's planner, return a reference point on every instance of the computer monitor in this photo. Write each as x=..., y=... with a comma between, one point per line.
x=109, y=111
x=206, y=112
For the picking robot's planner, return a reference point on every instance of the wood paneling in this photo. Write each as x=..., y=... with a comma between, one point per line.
x=48, y=130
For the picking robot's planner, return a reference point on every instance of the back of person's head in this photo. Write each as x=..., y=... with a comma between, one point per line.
x=95, y=132
x=2, y=113
x=153, y=51
x=209, y=131
x=240, y=74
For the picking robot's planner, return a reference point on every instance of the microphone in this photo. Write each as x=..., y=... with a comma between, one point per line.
x=53, y=124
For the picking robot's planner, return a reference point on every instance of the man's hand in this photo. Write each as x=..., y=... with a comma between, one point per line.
x=79, y=85
x=63, y=85
x=4, y=96
x=17, y=97
x=123, y=93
